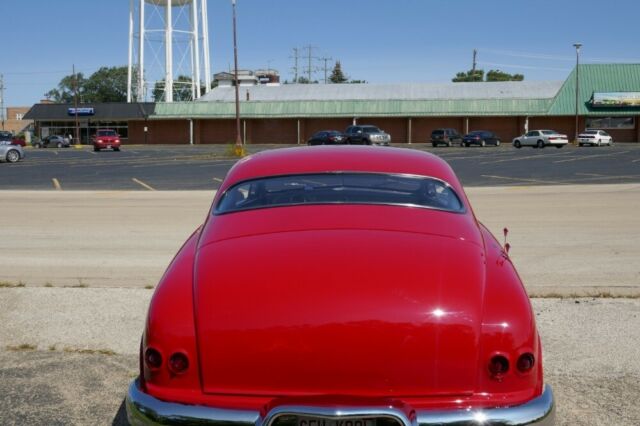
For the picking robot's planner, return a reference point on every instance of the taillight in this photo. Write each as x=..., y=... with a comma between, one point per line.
x=498, y=366
x=178, y=363
x=152, y=358
x=525, y=362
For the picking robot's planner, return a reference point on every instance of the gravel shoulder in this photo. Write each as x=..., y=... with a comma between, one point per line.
x=71, y=364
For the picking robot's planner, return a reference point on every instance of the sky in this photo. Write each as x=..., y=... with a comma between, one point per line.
x=380, y=41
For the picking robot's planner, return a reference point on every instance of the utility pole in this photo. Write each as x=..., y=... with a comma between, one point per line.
x=309, y=58
x=473, y=68
x=2, y=115
x=325, y=60
x=296, y=56
x=577, y=46
x=75, y=101
x=239, y=149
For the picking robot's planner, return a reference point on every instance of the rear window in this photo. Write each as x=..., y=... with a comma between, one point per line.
x=437, y=132
x=106, y=133
x=591, y=132
x=549, y=132
x=371, y=130
x=340, y=188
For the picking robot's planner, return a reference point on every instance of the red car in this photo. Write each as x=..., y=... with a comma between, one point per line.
x=106, y=139
x=341, y=286
x=18, y=141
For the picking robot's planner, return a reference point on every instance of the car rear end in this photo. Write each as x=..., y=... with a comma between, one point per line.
x=556, y=139
x=589, y=137
x=335, y=138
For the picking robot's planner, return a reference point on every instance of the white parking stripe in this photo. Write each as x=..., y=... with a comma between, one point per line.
x=217, y=179
x=590, y=156
x=56, y=184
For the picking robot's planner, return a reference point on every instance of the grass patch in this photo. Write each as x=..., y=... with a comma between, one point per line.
x=52, y=348
x=9, y=284
x=149, y=287
x=89, y=351
x=595, y=295
x=48, y=285
x=21, y=348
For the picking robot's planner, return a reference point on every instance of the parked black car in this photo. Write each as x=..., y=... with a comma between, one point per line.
x=446, y=137
x=327, y=137
x=51, y=141
x=481, y=137
x=367, y=135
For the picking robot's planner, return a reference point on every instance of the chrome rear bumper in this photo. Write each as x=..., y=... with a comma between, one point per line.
x=143, y=409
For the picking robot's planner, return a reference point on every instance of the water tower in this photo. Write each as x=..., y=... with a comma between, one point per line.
x=167, y=38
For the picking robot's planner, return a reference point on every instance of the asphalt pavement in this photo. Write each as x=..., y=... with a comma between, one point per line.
x=202, y=167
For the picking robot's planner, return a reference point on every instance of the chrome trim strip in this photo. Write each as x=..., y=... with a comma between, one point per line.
x=143, y=409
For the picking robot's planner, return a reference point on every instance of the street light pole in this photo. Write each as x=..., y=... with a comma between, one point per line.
x=577, y=46
x=239, y=149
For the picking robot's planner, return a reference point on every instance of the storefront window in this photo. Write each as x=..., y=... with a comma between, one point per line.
x=611, y=123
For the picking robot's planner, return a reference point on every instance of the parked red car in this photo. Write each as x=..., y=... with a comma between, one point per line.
x=18, y=141
x=106, y=139
x=341, y=286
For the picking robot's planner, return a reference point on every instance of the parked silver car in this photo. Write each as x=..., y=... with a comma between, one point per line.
x=594, y=137
x=541, y=138
x=10, y=153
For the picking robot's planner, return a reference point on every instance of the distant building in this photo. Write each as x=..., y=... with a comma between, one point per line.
x=226, y=79
x=609, y=99
x=14, y=121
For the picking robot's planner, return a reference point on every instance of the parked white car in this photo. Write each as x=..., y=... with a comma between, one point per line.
x=595, y=137
x=541, y=138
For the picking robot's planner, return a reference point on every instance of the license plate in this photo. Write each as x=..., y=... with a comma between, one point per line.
x=108, y=146
x=319, y=421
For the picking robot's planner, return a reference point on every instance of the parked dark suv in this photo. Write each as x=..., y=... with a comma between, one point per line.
x=445, y=137
x=367, y=135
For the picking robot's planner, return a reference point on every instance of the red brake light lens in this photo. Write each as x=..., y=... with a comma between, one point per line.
x=498, y=366
x=526, y=362
x=153, y=358
x=178, y=363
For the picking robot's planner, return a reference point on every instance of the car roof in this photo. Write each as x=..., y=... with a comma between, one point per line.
x=301, y=160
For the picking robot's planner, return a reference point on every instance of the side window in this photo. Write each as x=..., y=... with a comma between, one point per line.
x=532, y=133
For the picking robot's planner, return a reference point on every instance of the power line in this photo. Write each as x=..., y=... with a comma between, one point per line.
x=309, y=69
x=295, y=58
x=325, y=60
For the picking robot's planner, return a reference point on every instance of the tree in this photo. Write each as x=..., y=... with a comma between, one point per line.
x=337, y=76
x=305, y=80
x=469, y=76
x=108, y=84
x=492, y=75
x=181, y=89
x=65, y=91
x=497, y=75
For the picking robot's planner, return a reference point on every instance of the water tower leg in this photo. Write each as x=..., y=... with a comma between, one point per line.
x=168, y=79
x=129, y=68
x=195, y=78
x=141, y=87
x=205, y=45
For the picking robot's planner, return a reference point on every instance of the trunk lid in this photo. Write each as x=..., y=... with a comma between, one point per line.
x=339, y=311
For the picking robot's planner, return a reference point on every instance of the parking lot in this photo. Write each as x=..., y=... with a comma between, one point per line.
x=94, y=231
x=203, y=167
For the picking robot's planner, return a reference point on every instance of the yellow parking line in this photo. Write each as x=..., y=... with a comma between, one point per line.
x=521, y=179
x=56, y=184
x=139, y=182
